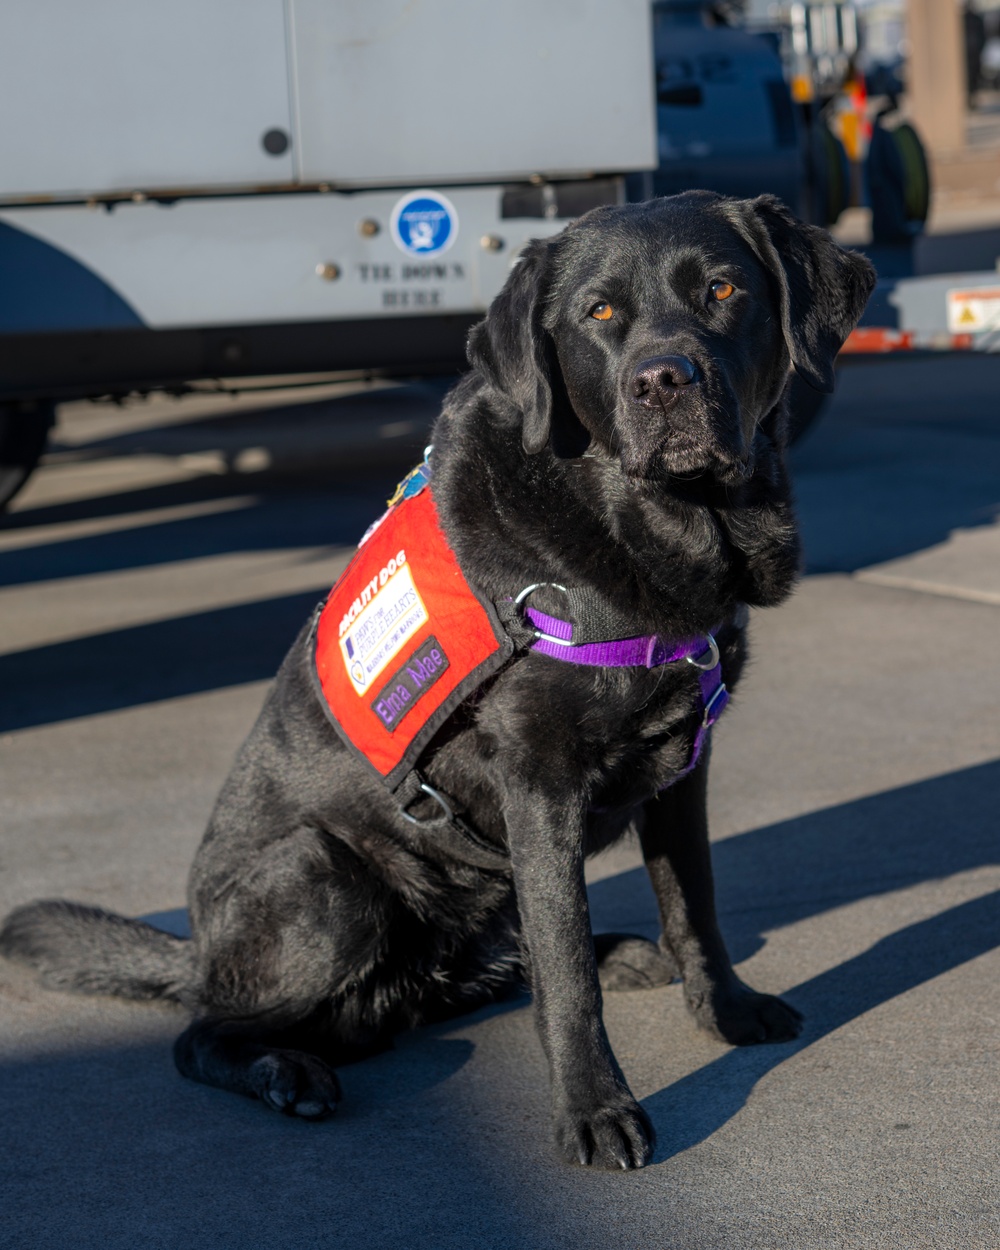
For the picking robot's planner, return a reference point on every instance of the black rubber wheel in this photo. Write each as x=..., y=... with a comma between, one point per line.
x=24, y=431
x=805, y=405
x=830, y=175
x=916, y=174
x=899, y=185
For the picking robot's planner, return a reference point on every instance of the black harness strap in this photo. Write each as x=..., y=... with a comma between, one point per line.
x=448, y=830
x=596, y=619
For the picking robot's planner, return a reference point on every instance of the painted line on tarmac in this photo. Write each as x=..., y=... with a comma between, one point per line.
x=941, y=589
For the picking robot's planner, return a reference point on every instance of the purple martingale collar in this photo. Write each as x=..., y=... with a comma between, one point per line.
x=553, y=637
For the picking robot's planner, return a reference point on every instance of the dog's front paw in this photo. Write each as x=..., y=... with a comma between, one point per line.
x=616, y=1135
x=295, y=1083
x=742, y=1016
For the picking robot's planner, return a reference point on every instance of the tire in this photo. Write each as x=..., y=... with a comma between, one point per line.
x=805, y=406
x=24, y=432
x=916, y=174
x=899, y=186
x=830, y=175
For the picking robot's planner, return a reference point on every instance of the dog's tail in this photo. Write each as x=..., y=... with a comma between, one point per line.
x=89, y=951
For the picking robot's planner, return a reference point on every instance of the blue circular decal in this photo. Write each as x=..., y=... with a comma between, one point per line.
x=424, y=223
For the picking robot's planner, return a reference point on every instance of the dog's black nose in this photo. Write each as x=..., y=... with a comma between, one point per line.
x=656, y=380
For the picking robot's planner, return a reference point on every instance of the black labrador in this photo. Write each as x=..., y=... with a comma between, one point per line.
x=620, y=434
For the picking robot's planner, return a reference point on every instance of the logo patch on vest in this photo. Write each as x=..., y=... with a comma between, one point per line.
x=410, y=683
x=390, y=612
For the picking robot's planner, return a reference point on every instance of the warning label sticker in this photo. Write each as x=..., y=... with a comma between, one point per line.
x=970, y=312
x=382, y=628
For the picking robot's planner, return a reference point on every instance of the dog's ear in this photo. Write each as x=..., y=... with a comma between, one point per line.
x=823, y=289
x=513, y=350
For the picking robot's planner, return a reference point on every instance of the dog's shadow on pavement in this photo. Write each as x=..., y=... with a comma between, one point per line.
x=785, y=873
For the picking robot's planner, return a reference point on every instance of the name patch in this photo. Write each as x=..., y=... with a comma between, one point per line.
x=410, y=683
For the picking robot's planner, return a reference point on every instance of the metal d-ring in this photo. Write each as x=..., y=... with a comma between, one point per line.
x=519, y=599
x=712, y=652
x=441, y=801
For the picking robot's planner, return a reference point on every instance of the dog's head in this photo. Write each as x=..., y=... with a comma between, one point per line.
x=663, y=332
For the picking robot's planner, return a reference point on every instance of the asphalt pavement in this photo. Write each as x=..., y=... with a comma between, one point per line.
x=152, y=575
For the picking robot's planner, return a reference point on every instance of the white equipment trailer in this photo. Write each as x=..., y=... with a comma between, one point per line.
x=220, y=188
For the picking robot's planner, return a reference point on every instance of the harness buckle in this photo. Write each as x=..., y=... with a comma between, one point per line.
x=712, y=651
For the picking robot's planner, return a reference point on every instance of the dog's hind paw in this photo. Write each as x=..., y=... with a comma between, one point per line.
x=295, y=1083
x=627, y=962
x=744, y=1017
x=615, y=1137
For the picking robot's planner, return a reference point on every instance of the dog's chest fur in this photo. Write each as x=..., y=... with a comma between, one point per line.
x=683, y=564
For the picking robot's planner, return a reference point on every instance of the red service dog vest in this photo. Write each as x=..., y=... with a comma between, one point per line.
x=402, y=639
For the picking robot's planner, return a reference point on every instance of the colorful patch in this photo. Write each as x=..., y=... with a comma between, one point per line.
x=389, y=614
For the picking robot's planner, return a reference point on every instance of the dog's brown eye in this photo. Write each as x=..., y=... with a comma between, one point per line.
x=721, y=290
x=602, y=312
